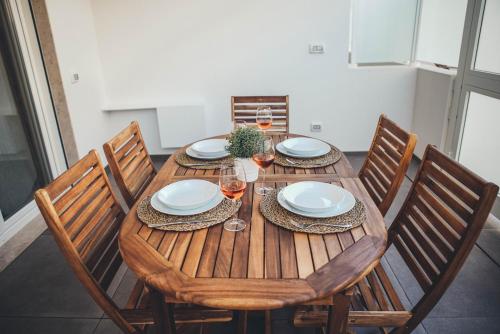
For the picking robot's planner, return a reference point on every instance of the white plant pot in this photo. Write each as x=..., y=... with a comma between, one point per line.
x=251, y=168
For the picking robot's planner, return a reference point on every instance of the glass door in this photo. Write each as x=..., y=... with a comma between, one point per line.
x=23, y=163
x=475, y=140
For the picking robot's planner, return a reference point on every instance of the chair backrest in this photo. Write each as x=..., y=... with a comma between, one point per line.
x=130, y=162
x=387, y=162
x=244, y=110
x=84, y=216
x=439, y=223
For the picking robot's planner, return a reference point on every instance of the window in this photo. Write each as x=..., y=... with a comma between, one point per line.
x=440, y=31
x=382, y=31
x=403, y=31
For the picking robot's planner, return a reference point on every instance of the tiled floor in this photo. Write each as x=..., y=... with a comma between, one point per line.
x=39, y=294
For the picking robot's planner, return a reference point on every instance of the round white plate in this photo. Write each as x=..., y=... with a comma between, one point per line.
x=314, y=196
x=210, y=147
x=346, y=205
x=159, y=206
x=191, y=153
x=280, y=148
x=304, y=145
x=187, y=194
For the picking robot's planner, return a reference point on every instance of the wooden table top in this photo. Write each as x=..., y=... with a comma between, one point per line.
x=262, y=267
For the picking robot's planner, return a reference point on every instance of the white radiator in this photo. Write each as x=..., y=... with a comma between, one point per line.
x=180, y=125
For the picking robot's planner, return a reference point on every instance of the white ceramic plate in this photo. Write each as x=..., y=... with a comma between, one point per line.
x=313, y=196
x=210, y=147
x=191, y=153
x=280, y=148
x=187, y=194
x=159, y=206
x=346, y=205
x=304, y=145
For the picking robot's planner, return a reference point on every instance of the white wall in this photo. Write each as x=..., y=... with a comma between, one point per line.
x=160, y=52
x=433, y=96
x=76, y=47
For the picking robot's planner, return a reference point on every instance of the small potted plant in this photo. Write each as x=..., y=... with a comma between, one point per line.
x=242, y=144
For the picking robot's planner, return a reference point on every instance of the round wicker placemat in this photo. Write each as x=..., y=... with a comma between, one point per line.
x=325, y=160
x=278, y=215
x=220, y=213
x=186, y=161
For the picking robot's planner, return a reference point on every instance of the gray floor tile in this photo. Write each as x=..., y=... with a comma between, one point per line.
x=398, y=201
x=413, y=168
x=489, y=242
x=356, y=159
x=107, y=326
x=462, y=325
x=474, y=293
x=47, y=326
x=492, y=223
x=40, y=283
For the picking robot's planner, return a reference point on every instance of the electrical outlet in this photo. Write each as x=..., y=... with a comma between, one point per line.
x=316, y=126
x=316, y=48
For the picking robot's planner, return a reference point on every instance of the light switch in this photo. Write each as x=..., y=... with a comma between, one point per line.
x=316, y=48
x=75, y=77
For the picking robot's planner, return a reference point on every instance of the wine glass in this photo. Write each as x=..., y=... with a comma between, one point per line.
x=232, y=182
x=264, y=157
x=264, y=118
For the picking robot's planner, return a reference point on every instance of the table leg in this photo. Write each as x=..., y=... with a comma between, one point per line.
x=163, y=314
x=242, y=322
x=267, y=322
x=338, y=313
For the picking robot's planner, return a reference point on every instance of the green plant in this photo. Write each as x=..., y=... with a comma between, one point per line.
x=242, y=142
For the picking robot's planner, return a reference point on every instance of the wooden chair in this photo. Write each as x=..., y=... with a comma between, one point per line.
x=130, y=162
x=434, y=233
x=244, y=110
x=387, y=162
x=84, y=216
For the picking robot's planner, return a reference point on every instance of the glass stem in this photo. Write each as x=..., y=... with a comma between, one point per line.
x=263, y=177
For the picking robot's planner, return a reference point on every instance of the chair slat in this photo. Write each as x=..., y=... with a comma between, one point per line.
x=447, y=198
x=430, y=231
x=74, y=212
x=449, y=217
x=67, y=199
x=260, y=99
x=420, y=276
x=389, y=289
x=466, y=195
x=425, y=245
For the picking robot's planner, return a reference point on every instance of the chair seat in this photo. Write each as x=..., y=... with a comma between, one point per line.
x=137, y=311
x=375, y=303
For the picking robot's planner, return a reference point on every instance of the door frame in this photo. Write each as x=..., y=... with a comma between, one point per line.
x=469, y=81
x=36, y=79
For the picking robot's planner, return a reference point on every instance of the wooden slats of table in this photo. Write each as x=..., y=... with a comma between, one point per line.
x=177, y=262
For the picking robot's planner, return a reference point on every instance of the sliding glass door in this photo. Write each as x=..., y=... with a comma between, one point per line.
x=23, y=163
x=475, y=140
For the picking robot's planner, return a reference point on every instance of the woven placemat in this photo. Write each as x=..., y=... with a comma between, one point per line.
x=220, y=213
x=186, y=161
x=325, y=160
x=278, y=215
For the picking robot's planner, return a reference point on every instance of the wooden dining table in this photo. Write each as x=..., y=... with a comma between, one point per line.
x=264, y=266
